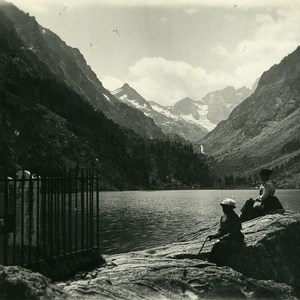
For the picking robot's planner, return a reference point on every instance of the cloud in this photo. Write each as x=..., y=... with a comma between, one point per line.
x=273, y=39
x=163, y=20
x=166, y=81
x=34, y=7
x=243, y=4
x=274, y=36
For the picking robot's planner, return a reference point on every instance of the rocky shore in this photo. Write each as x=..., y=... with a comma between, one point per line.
x=267, y=267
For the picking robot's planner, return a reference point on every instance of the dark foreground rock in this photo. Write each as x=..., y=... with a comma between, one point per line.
x=141, y=276
x=273, y=250
x=63, y=268
x=175, y=272
x=18, y=283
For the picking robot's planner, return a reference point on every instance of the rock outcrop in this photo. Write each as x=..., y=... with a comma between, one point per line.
x=141, y=276
x=175, y=272
x=271, y=252
x=222, y=102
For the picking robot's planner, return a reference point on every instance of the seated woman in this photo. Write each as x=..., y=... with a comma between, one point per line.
x=265, y=202
x=229, y=234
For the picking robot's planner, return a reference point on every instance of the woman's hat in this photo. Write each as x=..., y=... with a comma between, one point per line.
x=265, y=172
x=228, y=202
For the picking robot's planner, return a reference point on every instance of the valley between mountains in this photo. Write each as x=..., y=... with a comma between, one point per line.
x=55, y=113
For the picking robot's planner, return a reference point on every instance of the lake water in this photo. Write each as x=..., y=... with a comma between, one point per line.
x=143, y=219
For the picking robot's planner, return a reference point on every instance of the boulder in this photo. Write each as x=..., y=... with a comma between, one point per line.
x=271, y=251
x=18, y=283
x=265, y=268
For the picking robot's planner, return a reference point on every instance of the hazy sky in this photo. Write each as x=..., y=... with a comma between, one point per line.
x=170, y=49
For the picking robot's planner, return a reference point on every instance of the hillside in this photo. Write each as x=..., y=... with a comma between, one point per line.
x=69, y=65
x=264, y=130
x=46, y=127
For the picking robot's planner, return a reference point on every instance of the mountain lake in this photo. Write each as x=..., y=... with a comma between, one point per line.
x=137, y=220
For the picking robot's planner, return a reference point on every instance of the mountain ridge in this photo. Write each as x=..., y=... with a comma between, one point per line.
x=167, y=118
x=188, y=118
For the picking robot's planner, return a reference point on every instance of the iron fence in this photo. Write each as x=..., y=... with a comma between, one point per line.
x=43, y=218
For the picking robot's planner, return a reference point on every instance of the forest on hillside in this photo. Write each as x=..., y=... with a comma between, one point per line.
x=45, y=128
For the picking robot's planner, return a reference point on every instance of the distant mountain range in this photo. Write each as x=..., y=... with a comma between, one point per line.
x=188, y=118
x=264, y=130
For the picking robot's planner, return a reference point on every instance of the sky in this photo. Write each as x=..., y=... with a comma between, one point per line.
x=171, y=49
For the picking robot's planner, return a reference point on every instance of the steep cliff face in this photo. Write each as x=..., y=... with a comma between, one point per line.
x=222, y=102
x=69, y=65
x=259, y=131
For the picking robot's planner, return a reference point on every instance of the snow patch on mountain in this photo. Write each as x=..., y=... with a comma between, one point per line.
x=116, y=91
x=191, y=119
x=168, y=118
x=165, y=111
x=106, y=97
x=202, y=109
x=204, y=122
x=132, y=102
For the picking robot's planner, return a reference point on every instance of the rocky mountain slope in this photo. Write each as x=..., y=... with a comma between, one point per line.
x=188, y=118
x=264, y=130
x=221, y=103
x=167, y=118
x=69, y=65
